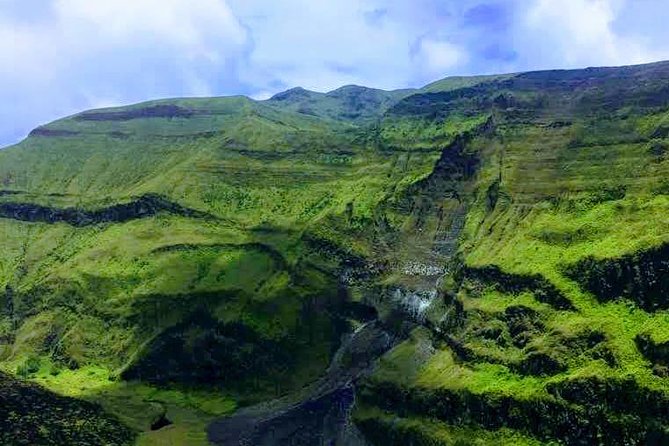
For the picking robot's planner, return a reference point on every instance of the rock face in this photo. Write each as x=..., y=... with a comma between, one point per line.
x=40, y=131
x=642, y=277
x=155, y=111
x=544, y=291
x=547, y=421
x=143, y=207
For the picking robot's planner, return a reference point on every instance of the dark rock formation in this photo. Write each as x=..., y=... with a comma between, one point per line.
x=581, y=413
x=642, y=277
x=656, y=353
x=155, y=111
x=543, y=290
x=45, y=132
x=143, y=207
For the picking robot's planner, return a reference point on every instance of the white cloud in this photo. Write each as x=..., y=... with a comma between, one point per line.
x=62, y=56
x=262, y=95
x=81, y=53
x=576, y=33
x=80, y=30
x=322, y=45
x=298, y=42
x=439, y=57
x=184, y=24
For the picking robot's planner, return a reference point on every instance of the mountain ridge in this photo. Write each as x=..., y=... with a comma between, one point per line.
x=508, y=231
x=441, y=85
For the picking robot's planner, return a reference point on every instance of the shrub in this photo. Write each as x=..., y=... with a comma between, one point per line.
x=29, y=367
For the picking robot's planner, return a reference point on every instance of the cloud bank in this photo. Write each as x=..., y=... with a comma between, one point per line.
x=62, y=56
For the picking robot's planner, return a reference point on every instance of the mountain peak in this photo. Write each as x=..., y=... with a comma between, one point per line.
x=294, y=94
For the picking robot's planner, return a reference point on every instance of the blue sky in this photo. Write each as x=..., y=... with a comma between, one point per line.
x=58, y=57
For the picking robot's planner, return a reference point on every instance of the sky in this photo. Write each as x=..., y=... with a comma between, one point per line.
x=58, y=57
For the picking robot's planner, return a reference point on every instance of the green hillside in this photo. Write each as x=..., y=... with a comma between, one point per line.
x=177, y=259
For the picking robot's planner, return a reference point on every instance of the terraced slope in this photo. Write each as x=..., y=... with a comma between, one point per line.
x=174, y=259
x=555, y=309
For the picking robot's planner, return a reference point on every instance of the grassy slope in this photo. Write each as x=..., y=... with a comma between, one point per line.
x=304, y=184
x=562, y=179
x=97, y=303
x=30, y=415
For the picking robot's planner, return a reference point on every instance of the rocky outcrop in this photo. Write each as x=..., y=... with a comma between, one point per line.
x=586, y=412
x=46, y=132
x=543, y=290
x=143, y=207
x=642, y=277
x=656, y=352
x=155, y=111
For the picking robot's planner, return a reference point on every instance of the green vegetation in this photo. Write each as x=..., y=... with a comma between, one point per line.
x=174, y=260
x=568, y=204
x=30, y=415
x=238, y=296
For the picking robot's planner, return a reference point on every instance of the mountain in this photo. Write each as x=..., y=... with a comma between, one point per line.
x=504, y=238
x=348, y=103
